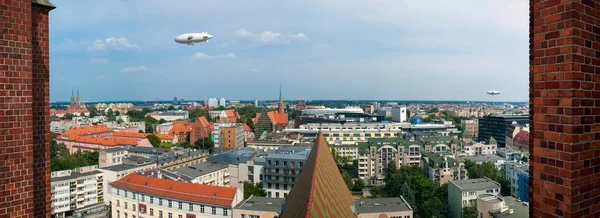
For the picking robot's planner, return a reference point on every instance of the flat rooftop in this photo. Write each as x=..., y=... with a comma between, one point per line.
x=476, y=184
x=74, y=175
x=122, y=167
x=256, y=203
x=520, y=209
x=381, y=205
x=481, y=158
x=199, y=169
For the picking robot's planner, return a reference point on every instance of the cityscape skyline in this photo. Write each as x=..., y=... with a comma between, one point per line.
x=134, y=53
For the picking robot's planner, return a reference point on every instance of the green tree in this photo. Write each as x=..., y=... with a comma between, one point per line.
x=347, y=179
x=111, y=115
x=93, y=111
x=376, y=192
x=359, y=185
x=166, y=145
x=250, y=123
x=67, y=116
x=141, y=131
x=154, y=140
x=204, y=144
x=117, y=113
x=489, y=170
x=171, y=108
x=161, y=121
x=184, y=144
x=119, y=121
x=150, y=124
x=433, y=110
x=82, y=115
x=470, y=211
x=389, y=118
x=255, y=189
x=525, y=159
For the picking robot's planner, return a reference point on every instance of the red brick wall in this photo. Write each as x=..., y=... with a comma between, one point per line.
x=565, y=103
x=24, y=123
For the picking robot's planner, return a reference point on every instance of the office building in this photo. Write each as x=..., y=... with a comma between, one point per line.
x=463, y=193
x=384, y=111
x=383, y=207
x=320, y=190
x=140, y=196
x=472, y=126
x=494, y=206
x=495, y=126
x=205, y=173
x=77, y=192
x=399, y=114
x=281, y=169
x=256, y=207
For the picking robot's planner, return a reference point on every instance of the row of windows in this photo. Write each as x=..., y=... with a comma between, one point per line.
x=161, y=201
x=160, y=212
x=285, y=163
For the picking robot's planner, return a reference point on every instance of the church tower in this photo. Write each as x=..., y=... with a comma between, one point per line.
x=77, y=99
x=72, y=98
x=280, y=107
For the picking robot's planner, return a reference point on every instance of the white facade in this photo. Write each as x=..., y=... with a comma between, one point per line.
x=329, y=111
x=399, y=114
x=117, y=172
x=76, y=189
x=211, y=102
x=222, y=102
x=170, y=115
x=464, y=193
x=110, y=157
x=479, y=149
x=215, y=114
x=206, y=173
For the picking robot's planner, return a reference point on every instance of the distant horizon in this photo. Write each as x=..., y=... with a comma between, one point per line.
x=275, y=100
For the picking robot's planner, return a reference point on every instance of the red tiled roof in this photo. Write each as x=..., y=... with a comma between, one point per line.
x=247, y=128
x=86, y=130
x=278, y=118
x=180, y=128
x=522, y=136
x=232, y=115
x=141, y=135
x=205, y=194
x=203, y=121
x=105, y=141
x=320, y=190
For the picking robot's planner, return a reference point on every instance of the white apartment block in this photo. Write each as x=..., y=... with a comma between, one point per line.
x=479, y=149
x=111, y=156
x=462, y=193
x=375, y=155
x=116, y=172
x=205, y=173
x=169, y=115
x=137, y=196
x=77, y=191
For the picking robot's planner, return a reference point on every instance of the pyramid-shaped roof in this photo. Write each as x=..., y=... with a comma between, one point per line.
x=466, y=134
x=320, y=190
x=493, y=141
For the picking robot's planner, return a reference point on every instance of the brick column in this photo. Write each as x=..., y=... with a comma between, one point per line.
x=565, y=108
x=24, y=123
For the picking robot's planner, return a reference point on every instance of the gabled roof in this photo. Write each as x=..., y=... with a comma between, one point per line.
x=278, y=118
x=108, y=141
x=141, y=135
x=247, y=128
x=466, y=134
x=203, y=121
x=493, y=141
x=232, y=115
x=180, y=128
x=522, y=136
x=85, y=130
x=205, y=194
x=320, y=190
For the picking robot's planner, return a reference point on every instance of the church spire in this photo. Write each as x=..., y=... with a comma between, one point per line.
x=280, y=105
x=280, y=99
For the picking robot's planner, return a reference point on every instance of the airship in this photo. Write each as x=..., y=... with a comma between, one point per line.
x=494, y=92
x=193, y=38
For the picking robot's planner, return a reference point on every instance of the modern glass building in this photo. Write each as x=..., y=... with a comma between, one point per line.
x=495, y=126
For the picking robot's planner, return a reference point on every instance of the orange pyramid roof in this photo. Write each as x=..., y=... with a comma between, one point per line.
x=320, y=190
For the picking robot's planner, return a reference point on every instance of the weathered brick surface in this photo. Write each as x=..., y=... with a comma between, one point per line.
x=24, y=101
x=565, y=108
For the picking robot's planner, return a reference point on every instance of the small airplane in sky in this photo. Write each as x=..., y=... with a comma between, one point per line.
x=193, y=38
x=494, y=92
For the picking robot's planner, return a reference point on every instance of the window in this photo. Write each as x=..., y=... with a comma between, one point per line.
x=151, y=200
x=179, y=216
x=243, y=215
x=285, y=187
x=118, y=192
x=276, y=163
x=118, y=214
x=160, y=201
x=191, y=207
x=170, y=215
x=142, y=197
x=160, y=214
x=277, y=194
x=214, y=210
x=125, y=193
x=125, y=205
x=118, y=203
x=180, y=205
x=277, y=186
x=224, y=211
x=285, y=163
x=170, y=203
x=133, y=207
x=133, y=194
x=301, y=164
x=201, y=208
x=125, y=215
x=151, y=212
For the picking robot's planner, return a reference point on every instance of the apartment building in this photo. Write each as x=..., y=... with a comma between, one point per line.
x=77, y=192
x=479, y=149
x=228, y=135
x=205, y=173
x=169, y=115
x=472, y=126
x=111, y=156
x=517, y=174
x=375, y=155
x=116, y=172
x=494, y=206
x=462, y=193
x=281, y=169
x=244, y=164
x=442, y=167
x=137, y=196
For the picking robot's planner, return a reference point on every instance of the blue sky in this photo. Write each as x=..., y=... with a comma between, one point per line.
x=336, y=49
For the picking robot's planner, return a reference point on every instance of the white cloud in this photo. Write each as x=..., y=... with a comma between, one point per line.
x=254, y=70
x=114, y=44
x=203, y=56
x=134, y=69
x=267, y=37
